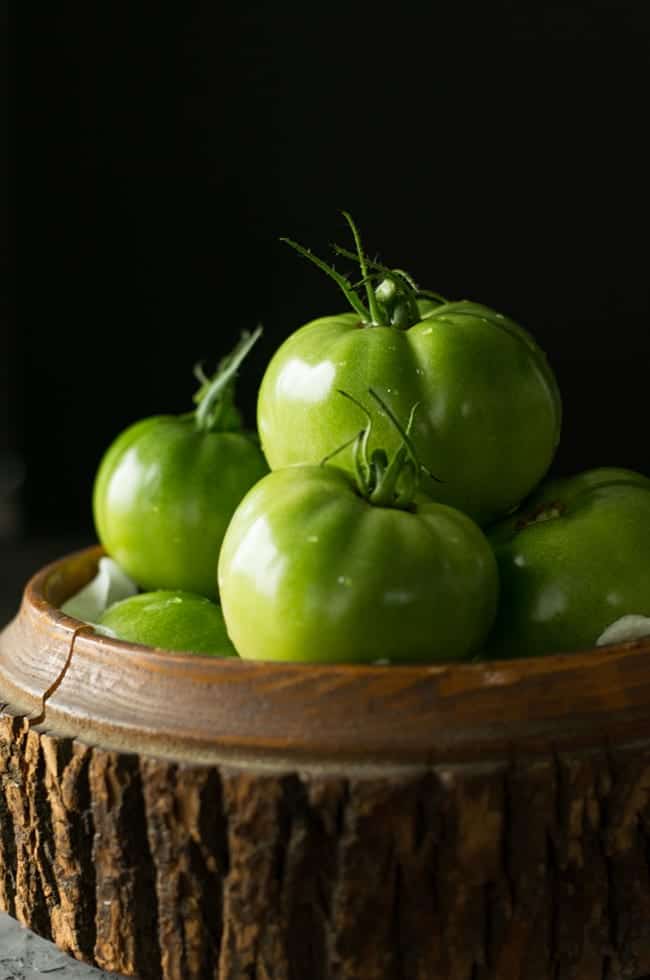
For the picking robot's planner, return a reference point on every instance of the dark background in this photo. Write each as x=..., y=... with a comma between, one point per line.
x=158, y=153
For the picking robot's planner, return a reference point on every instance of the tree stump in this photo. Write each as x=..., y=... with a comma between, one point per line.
x=177, y=817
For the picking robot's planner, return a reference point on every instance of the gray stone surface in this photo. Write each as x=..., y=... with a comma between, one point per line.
x=24, y=956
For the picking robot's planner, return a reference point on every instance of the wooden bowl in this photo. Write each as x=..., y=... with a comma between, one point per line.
x=183, y=817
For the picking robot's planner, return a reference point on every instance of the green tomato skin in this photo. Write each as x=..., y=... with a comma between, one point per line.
x=309, y=571
x=561, y=491
x=170, y=620
x=574, y=560
x=163, y=496
x=489, y=414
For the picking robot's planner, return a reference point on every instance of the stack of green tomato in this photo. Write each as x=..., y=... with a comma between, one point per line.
x=393, y=508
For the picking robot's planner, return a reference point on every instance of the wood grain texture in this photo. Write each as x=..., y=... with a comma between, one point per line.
x=464, y=854
x=516, y=870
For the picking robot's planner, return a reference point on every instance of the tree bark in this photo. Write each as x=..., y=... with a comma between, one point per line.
x=532, y=868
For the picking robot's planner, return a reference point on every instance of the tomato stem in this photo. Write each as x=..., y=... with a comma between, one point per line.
x=216, y=410
x=385, y=272
x=382, y=481
x=375, y=316
x=340, y=280
x=392, y=294
x=545, y=512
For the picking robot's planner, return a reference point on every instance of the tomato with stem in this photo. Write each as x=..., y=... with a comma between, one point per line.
x=168, y=486
x=321, y=565
x=490, y=409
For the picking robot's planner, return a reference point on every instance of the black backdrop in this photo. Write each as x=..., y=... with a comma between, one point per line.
x=161, y=150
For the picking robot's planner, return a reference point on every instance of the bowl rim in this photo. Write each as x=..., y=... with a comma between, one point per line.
x=61, y=674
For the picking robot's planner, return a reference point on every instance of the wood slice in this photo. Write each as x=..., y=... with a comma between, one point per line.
x=177, y=817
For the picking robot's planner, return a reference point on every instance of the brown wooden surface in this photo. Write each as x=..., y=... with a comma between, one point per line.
x=509, y=871
x=462, y=841
x=208, y=709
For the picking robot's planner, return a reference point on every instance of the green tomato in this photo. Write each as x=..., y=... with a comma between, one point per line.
x=311, y=571
x=488, y=406
x=168, y=486
x=169, y=620
x=489, y=412
x=572, y=561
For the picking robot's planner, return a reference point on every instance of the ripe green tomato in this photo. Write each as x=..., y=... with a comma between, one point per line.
x=575, y=559
x=163, y=496
x=489, y=414
x=310, y=571
x=170, y=620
